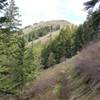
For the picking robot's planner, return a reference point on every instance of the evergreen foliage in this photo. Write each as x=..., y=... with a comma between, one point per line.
x=61, y=47
x=32, y=62
x=39, y=32
x=12, y=15
x=90, y=29
x=20, y=64
x=90, y=4
x=3, y=4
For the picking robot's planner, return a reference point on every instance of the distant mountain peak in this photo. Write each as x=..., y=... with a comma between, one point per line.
x=61, y=23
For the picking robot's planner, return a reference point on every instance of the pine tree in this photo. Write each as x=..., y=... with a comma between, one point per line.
x=31, y=63
x=91, y=4
x=18, y=61
x=93, y=15
x=59, y=48
x=12, y=48
x=12, y=15
x=3, y=3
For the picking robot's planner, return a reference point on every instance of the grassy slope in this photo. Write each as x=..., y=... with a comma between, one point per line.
x=45, y=39
x=59, y=83
x=30, y=28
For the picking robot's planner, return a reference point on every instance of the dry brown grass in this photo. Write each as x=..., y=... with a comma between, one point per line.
x=48, y=79
x=88, y=63
x=61, y=82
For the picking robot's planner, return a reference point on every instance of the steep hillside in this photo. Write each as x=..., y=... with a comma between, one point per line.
x=45, y=39
x=89, y=63
x=77, y=78
x=70, y=80
x=38, y=30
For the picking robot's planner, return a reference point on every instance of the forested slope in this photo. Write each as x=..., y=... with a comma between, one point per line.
x=69, y=79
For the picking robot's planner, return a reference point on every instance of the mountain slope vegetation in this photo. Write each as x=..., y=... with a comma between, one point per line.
x=52, y=60
x=41, y=29
x=68, y=80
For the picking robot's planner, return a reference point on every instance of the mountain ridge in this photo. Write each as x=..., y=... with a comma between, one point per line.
x=62, y=23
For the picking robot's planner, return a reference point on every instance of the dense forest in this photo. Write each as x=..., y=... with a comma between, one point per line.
x=21, y=64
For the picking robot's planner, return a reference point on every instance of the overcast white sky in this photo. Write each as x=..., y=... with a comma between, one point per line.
x=42, y=10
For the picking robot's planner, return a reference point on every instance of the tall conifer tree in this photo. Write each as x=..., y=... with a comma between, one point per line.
x=13, y=16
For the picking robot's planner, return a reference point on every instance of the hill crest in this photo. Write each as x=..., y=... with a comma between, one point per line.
x=61, y=23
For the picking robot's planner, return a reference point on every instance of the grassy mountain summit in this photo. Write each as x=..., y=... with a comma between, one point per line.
x=61, y=23
x=37, y=30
